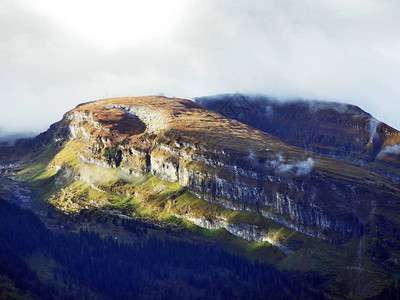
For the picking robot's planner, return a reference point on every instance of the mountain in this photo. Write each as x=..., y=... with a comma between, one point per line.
x=258, y=192
x=339, y=130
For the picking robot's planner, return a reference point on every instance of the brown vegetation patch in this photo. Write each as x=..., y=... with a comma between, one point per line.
x=120, y=122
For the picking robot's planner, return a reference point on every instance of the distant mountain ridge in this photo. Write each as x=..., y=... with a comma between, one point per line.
x=339, y=130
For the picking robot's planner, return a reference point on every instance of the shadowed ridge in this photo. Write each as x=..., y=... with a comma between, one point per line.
x=339, y=130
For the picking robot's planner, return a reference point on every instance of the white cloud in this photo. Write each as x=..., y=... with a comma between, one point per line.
x=373, y=126
x=393, y=149
x=304, y=167
x=54, y=55
x=299, y=168
x=113, y=24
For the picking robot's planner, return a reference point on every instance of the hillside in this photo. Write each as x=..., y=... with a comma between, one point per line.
x=339, y=130
x=39, y=264
x=175, y=163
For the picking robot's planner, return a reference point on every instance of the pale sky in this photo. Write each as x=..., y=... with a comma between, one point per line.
x=55, y=54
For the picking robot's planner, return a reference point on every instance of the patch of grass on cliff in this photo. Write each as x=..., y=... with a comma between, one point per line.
x=125, y=203
x=148, y=195
x=152, y=183
x=262, y=251
x=81, y=194
x=187, y=203
x=158, y=199
x=152, y=197
x=68, y=156
x=37, y=168
x=144, y=212
x=40, y=179
x=171, y=220
x=252, y=218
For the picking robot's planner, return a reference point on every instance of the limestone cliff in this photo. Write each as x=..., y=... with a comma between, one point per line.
x=224, y=162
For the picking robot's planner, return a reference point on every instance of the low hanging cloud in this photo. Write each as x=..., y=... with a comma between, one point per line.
x=251, y=156
x=304, y=167
x=299, y=168
x=54, y=57
x=373, y=126
x=392, y=149
x=319, y=106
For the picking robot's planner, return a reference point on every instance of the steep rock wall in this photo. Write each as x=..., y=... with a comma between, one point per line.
x=280, y=198
x=299, y=189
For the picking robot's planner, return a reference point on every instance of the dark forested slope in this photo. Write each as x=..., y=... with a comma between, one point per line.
x=83, y=265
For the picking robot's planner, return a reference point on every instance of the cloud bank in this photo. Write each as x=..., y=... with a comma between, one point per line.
x=54, y=56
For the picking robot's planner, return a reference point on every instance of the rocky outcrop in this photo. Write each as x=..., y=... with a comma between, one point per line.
x=248, y=232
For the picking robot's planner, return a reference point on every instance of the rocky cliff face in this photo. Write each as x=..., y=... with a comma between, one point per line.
x=339, y=130
x=224, y=162
x=175, y=163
